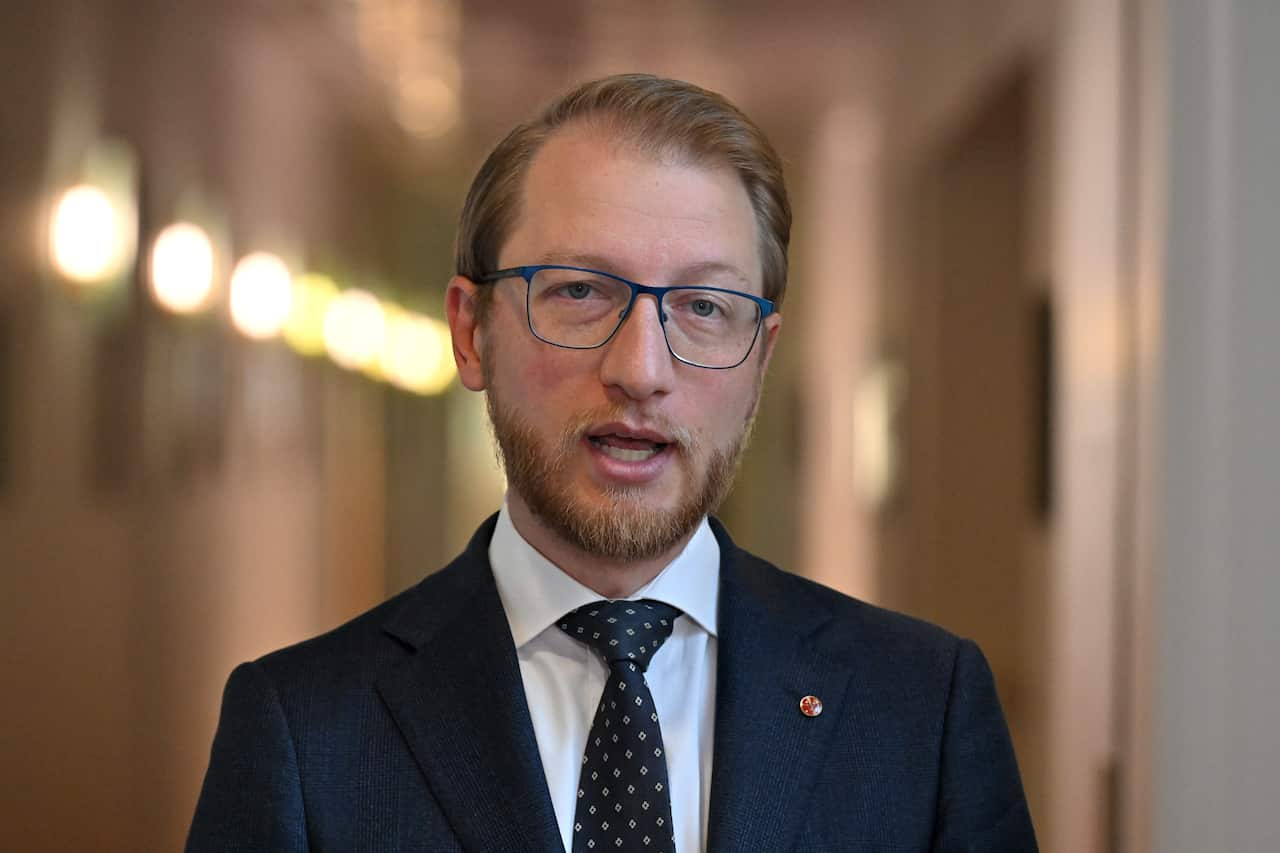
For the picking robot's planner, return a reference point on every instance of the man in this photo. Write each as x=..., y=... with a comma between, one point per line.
x=603, y=669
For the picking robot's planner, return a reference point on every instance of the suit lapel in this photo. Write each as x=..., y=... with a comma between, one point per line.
x=767, y=754
x=459, y=701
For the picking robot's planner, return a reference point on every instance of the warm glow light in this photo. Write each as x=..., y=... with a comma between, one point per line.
x=182, y=268
x=427, y=105
x=412, y=45
x=877, y=400
x=261, y=295
x=304, y=330
x=417, y=356
x=88, y=242
x=355, y=330
x=384, y=26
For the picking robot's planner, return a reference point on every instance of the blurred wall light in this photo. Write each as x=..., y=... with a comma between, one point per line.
x=90, y=236
x=426, y=104
x=355, y=330
x=417, y=356
x=877, y=403
x=311, y=296
x=182, y=267
x=412, y=45
x=383, y=24
x=261, y=295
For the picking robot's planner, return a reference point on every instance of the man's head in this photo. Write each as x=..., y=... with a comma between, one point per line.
x=665, y=119
x=619, y=450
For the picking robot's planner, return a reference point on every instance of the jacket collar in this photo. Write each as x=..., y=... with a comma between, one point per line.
x=459, y=702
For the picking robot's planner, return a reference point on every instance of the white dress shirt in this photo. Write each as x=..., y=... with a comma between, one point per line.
x=564, y=678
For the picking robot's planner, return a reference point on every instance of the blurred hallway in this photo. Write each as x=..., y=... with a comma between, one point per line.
x=1023, y=389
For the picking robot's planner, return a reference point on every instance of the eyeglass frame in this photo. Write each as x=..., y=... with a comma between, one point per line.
x=527, y=273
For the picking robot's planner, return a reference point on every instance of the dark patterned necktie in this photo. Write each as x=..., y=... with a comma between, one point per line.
x=623, y=799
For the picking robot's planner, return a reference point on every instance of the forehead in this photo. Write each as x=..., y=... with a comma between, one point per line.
x=588, y=195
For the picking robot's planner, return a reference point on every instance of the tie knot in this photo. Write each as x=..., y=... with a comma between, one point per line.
x=622, y=631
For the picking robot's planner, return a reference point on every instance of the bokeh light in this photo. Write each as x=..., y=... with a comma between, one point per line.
x=182, y=266
x=877, y=399
x=427, y=105
x=355, y=330
x=412, y=46
x=417, y=356
x=261, y=296
x=88, y=239
x=304, y=330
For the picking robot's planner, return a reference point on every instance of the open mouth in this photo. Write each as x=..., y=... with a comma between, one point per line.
x=625, y=448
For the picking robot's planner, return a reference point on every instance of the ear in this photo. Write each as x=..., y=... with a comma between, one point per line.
x=468, y=338
x=772, y=324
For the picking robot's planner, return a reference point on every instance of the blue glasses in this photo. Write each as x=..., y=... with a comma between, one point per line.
x=579, y=308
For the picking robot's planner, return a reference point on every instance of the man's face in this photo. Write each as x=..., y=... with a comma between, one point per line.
x=621, y=450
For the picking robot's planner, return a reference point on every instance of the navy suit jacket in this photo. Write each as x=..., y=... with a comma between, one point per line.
x=407, y=729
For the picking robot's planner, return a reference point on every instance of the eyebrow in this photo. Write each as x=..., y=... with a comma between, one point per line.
x=692, y=274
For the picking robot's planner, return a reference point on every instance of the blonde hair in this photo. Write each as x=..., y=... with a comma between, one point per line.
x=659, y=116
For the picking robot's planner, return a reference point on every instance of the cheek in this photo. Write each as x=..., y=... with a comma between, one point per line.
x=721, y=406
x=543, y=370
x=525, y=366
x=553, y=385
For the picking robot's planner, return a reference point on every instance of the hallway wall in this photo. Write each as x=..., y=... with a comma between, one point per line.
x=1216, y=680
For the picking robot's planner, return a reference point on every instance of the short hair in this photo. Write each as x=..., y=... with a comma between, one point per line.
x=660, y=116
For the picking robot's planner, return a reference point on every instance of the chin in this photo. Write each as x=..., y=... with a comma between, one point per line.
x=634, y=499
x=665, y=494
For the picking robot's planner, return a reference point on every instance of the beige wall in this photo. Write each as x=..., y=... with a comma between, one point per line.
x=963, y=236
x=178, y=499
x=1051, y=631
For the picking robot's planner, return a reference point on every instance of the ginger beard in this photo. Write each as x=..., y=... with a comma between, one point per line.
x=619, y=524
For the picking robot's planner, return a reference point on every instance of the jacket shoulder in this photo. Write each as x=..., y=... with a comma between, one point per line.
x=360, y=649
x=847, y=628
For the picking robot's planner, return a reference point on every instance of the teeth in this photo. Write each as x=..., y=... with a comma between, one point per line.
x=623, y=454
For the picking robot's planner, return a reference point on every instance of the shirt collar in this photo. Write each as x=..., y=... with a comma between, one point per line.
x=535, y=592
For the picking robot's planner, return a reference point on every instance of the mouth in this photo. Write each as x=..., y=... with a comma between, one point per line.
x=626, y=444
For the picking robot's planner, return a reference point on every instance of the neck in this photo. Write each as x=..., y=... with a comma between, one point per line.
x=612, y=579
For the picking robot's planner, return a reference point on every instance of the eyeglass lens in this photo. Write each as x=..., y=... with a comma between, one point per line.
x=708, y=327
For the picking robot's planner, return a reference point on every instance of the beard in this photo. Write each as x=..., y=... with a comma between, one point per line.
x=620, y=525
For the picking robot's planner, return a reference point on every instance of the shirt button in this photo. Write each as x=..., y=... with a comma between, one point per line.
x=811, y=706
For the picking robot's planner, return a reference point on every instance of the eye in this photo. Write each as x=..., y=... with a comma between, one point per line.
x=577, y=290
x=702, y=307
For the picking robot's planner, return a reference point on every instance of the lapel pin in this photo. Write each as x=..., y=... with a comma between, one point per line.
x=811, y=706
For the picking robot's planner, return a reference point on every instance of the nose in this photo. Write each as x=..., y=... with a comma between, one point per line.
x=636, y=361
